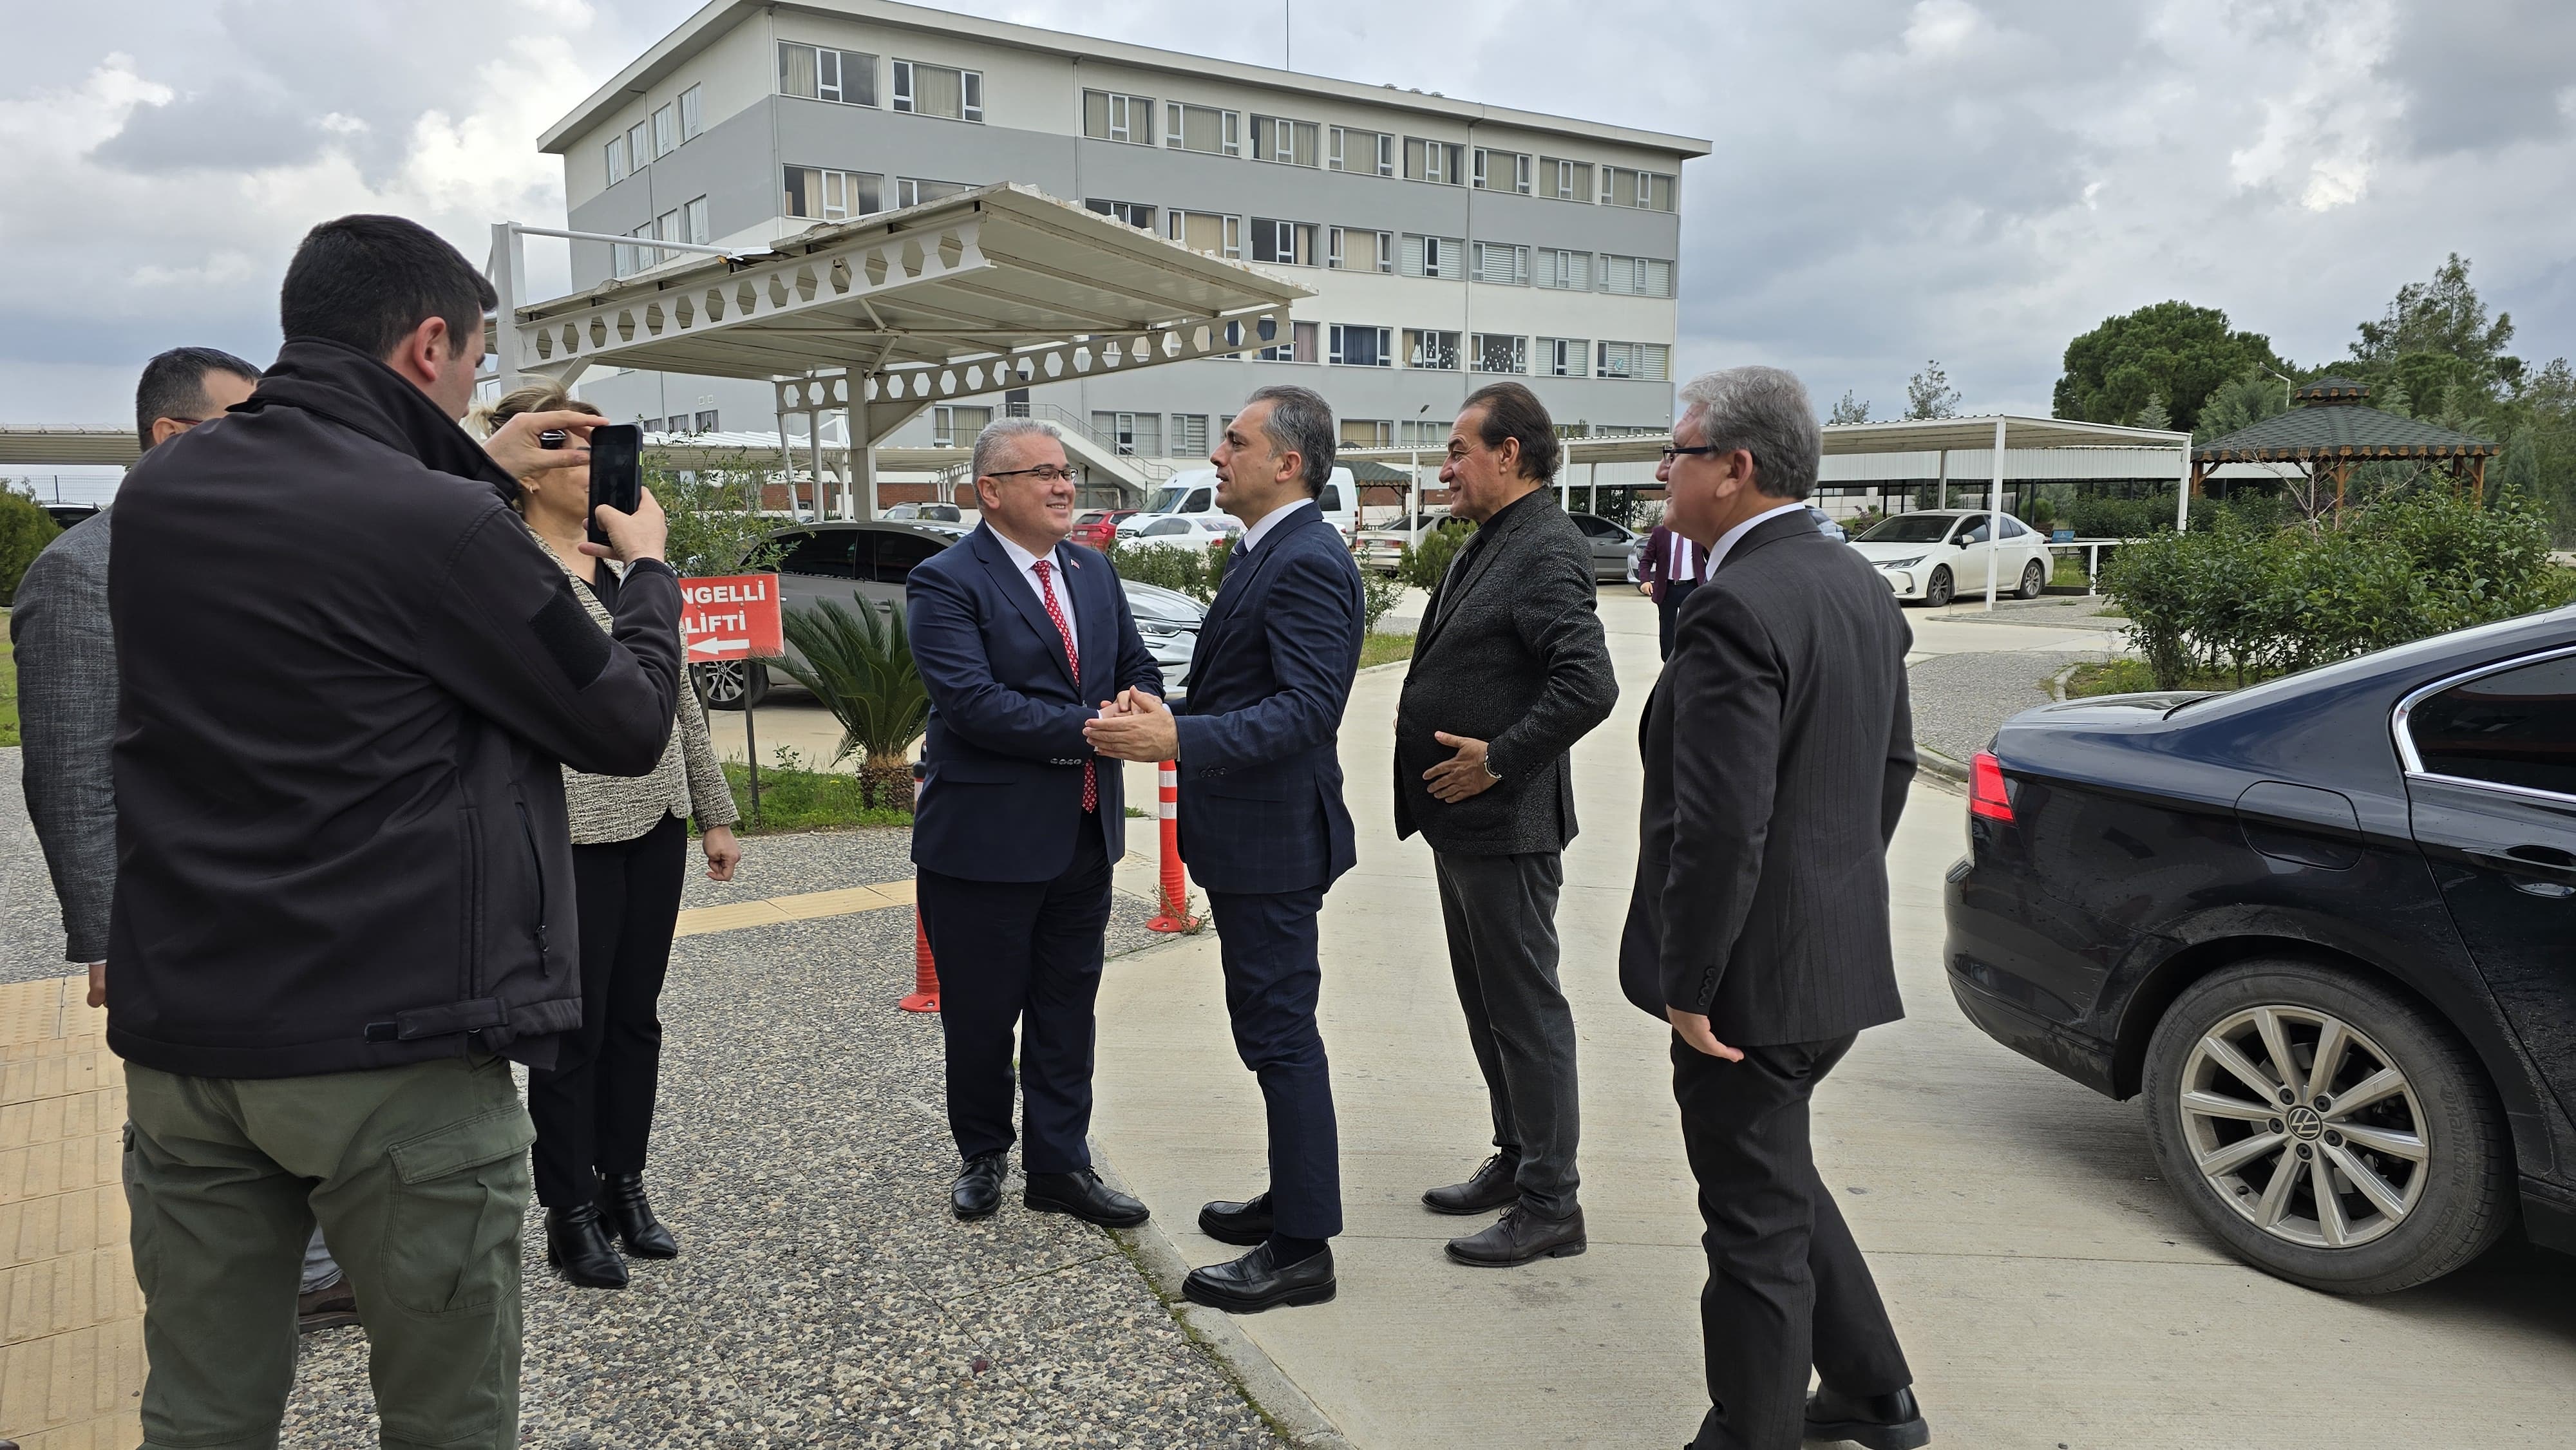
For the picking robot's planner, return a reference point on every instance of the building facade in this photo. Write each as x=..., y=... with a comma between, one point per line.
x=1448, y=243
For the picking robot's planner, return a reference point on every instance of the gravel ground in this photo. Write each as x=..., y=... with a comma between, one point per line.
x=1959, y=699
x=824, y=1296
x=31, y=921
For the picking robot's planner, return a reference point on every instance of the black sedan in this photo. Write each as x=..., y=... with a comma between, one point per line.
x=2326, y=926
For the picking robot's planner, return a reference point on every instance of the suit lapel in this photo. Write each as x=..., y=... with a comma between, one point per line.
x=1241, y=574
x=997, y=563
x=1095, y=623
x=1767, y=533
x=1456, y=587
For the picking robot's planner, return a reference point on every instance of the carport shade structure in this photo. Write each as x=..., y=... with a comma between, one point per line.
x=999, y=287
x=2330, y=427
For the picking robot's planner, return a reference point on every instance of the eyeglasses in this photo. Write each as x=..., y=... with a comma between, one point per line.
x=1043, y=473
x=1671, y=453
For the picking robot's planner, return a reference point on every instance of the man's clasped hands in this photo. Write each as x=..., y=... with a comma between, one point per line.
x=1135, y=726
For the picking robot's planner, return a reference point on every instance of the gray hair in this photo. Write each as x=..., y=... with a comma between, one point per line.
x=1766, y=412
x=999, y=432
x=1300, y=422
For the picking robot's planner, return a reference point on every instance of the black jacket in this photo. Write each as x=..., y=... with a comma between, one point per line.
x=1511, y=653
x=348, y=677
x=1778, y=748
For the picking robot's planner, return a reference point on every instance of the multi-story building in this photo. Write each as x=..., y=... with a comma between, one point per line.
x=1447, y=242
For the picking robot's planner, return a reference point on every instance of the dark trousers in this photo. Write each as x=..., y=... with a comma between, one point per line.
x=1501, y=915
x=1787, y=1288
x=594, y=1107
x=1024, y=956
x=1272, y=981
x=1669, y=609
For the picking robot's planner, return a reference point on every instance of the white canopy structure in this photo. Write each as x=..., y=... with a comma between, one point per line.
x=876, y=319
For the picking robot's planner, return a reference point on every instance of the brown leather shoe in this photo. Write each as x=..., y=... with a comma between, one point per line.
x=329, y=1307
x=1521, y=1236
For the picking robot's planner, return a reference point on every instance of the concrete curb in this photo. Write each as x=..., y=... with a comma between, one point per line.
x=1254, y=1372
x=1934, y=762
x=1389, y=665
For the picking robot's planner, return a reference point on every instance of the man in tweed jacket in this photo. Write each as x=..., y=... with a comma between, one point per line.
x=1509, y=671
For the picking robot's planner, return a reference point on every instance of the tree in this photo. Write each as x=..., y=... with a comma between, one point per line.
x=2241, y=402
x=1850, y=410
x=1928, y=394
x=2153, y=415
x=2168, y=350
x=25, y=530
x=2444, y=317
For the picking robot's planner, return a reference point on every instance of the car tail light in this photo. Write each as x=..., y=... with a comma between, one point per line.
x=1986, y=794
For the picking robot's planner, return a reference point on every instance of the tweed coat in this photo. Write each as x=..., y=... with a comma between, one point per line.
x=66, y=655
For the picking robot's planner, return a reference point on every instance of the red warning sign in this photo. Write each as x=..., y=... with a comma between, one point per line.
x=730, y=617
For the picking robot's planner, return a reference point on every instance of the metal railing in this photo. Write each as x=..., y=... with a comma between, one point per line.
x=1153, y=471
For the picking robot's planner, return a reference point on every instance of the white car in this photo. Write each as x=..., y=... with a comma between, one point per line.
x=1177, y=531
x=1937, y=555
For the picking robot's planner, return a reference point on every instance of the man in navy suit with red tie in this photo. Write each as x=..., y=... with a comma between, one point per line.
x=1021, y=639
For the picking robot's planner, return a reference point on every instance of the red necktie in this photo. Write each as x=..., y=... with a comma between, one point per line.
x=1073, y=659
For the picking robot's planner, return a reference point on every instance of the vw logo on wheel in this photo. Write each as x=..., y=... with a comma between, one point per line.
x=2305, y=1125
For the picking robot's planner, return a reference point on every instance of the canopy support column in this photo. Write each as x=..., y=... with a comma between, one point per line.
x=1995, y=519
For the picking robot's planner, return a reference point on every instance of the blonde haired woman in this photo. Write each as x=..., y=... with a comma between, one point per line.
x=594, y=1108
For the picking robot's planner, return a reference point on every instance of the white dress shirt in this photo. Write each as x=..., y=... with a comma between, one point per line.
x=1022, y=560
x=1681, y=562
x=1253, y=536
x=1726, y=541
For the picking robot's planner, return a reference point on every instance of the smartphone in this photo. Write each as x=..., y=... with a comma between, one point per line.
x=616, y=471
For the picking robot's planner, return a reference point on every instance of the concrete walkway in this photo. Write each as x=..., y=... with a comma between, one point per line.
x=2050, y=1292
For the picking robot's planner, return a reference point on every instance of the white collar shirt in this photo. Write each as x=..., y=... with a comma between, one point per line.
x=1726, y=541
x=1681, y=562
x=1253, y=536
x=1024, y=561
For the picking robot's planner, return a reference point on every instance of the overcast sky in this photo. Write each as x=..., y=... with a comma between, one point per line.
x=1892, y=181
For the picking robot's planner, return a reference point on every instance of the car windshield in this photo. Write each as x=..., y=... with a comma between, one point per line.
x=1909, y=529
x=1170, y=499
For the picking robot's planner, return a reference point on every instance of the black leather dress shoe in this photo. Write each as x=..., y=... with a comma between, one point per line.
x=1242, y=1224
x=1491, y=1186
x=1878, y=1422
x=622, y=1201
x=978, y=1190
x=1253, y=1283
x=577, y=1244
x=1085, y=1197
x=1519, y=1237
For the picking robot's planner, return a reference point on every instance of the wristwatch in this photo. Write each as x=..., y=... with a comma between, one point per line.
x=1490, y=772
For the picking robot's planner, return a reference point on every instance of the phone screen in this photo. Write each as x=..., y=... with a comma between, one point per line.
x=616, y=471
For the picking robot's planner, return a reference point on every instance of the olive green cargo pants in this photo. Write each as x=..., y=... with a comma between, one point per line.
x=419, y=1177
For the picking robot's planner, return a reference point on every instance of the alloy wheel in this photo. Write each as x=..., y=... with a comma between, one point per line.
x=2304, y=1126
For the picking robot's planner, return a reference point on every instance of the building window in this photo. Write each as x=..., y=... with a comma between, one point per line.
x=1361, y=347
x=1202, y=128
x=1134, y=213
x=1291, y=143
x=952, y=427
x=913, y=190
x=1643, y=190
x=1190, y=433
x=639, y=144
x=1426, y=348
x=832, y=196
x=1645, y=361
x=1503, y=171
x=938, y=90
x=666, y=131
x=1278, y=241
x=1565, y=180
x=1502, y=264
x=1359, y=249
x=1370, y=153
x=1443, y=257
x=694, y=221
x=616, y=159
x=1208, y=232
x=1563, y=271
x=1563, y=357
x=1422, y=433
x=707, y=421
x=628, y=258
x=1139, y=434
x=692, y=114
x=1636, y=276
x=824, y=74
x=1109, y=116
x=1490, y=353
x=1439, y=162
x=1369, y=432
x=1300, y=346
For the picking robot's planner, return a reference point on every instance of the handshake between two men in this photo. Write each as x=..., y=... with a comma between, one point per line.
x=1134, y=726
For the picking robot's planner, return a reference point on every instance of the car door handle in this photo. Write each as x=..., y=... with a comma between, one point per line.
x=2547, y=862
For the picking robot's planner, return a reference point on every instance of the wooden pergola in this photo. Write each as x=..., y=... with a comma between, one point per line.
x=2331, y=427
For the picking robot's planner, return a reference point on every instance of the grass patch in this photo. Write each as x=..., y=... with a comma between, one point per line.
x=2069, y=573
x=1384, y=649
x=2132, y=677
x=793, y=798
x=8, y=686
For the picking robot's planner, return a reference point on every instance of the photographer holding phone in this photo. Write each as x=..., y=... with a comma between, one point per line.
x=594, y=1107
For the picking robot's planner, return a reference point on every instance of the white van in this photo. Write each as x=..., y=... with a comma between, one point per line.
x=1192, y=492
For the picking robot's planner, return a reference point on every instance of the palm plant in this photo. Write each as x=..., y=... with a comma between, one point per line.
x=859, y=664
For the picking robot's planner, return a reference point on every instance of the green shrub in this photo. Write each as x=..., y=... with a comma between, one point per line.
x=858, y=663
x=1183, y=569
x=716, y=527
x=1427, y=563
x=2119, y=518
x=1378, y=594
x=25, y=530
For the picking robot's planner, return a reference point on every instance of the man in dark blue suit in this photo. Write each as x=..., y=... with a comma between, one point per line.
x=1021, y=639
x=1262, y=822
